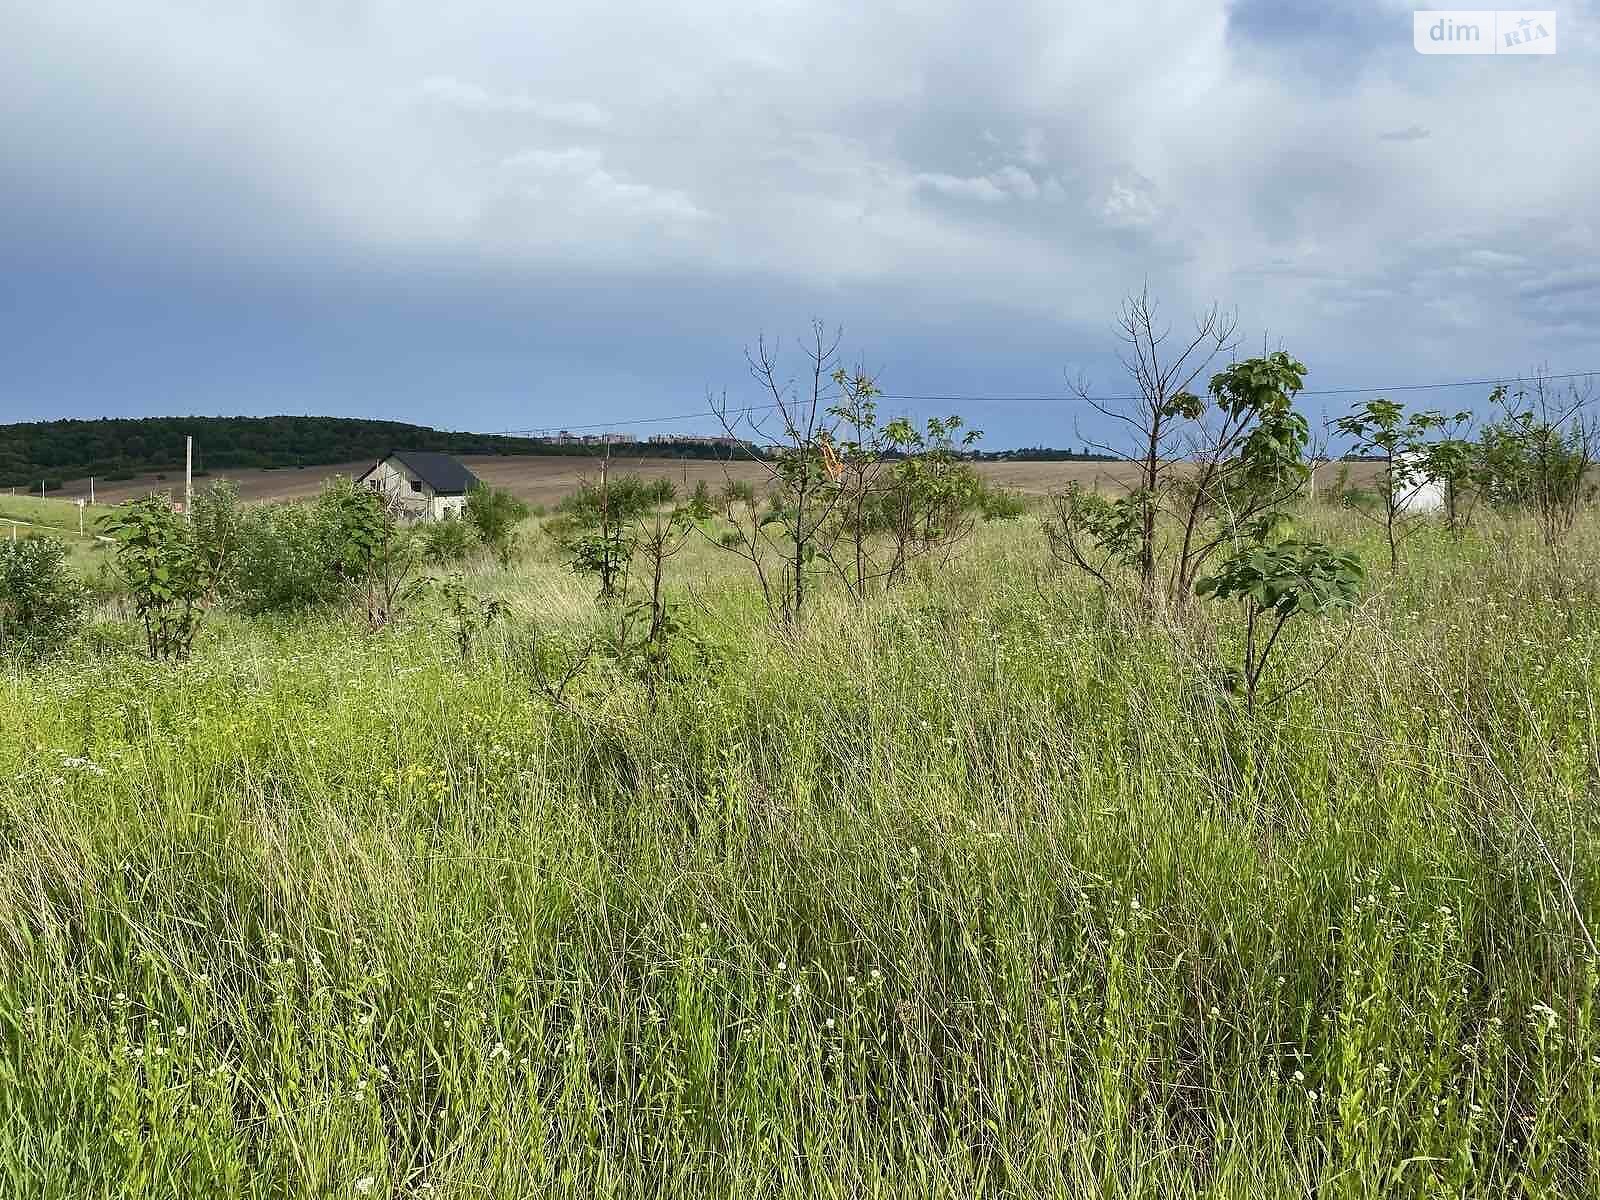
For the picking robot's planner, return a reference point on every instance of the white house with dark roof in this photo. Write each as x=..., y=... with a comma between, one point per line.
x=424, y=484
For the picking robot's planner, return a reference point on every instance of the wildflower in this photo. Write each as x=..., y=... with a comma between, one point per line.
x=1311, y=1096
x=1545, y=1012
x=364, y=1184
x=1299, y=1076
x=782, y=966
x=829, y=1022
x=876, y=975
x=1215, y=1012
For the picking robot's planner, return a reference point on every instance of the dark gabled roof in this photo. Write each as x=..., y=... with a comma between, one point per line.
x=439, y=471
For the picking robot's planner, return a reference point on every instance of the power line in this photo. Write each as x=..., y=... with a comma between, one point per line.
x=1022, y=399
x=1346, y=391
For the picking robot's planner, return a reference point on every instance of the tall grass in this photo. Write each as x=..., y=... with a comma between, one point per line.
x=983, y=889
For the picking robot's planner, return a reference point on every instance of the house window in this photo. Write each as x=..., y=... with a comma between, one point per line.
x=416, y=486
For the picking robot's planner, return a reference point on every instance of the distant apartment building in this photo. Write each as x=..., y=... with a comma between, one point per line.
x=695, y=439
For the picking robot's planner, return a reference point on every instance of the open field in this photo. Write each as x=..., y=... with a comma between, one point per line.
x=544, y=480
x=981, y=889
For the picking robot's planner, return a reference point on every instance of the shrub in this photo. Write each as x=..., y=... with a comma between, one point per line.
x=1000, y=504
x=451, y=540
x=287, y=559
x=495, y=514
x=160, y=561
x=41, y=604
x=624, y=497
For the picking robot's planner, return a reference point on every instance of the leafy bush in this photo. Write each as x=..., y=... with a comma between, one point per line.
x=288, y=559
x=161, y=562
x=624, y=497
x=1000, y=504
x=41, y=604
x=495, y=514
x=451, y=540
x=218, y=521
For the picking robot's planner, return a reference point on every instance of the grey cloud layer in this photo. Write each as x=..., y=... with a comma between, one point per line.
x=1296, y=159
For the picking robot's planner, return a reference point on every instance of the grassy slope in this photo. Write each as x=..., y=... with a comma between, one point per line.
x=975, y=892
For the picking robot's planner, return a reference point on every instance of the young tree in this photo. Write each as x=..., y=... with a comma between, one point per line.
x=648, y=622
x=605, y=548
x=1538, y=456
x=1248, y=456
x=781, y=539
x=928, y=502
x=219, y=527
x=1401, y=441
x=1158, y=424
x=1455, y=462
x=1278, y=580
x=160, y=560
x=1209, y=465
x=844, y=493
x=472, y=614
x=378, y=560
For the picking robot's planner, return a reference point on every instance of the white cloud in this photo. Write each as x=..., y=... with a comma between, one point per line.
x=829, y=144
x=454, y=93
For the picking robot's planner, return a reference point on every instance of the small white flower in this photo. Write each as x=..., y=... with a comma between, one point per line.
x=1299, y=1076
x=364, y=1184
x=830, y=1022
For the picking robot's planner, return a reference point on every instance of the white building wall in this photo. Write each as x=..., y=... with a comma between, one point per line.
x=415, y=499
x=1417, y=491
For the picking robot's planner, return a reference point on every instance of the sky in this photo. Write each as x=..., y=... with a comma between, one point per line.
x=514, y=215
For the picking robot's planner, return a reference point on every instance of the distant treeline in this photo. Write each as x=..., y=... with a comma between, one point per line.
x=1042, y=454
x=120, y=448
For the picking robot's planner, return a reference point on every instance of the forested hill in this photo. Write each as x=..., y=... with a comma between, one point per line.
x=120, y=448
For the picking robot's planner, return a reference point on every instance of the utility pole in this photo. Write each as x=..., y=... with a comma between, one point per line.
x=188, y=478
x=91, y=489
x=80, y=516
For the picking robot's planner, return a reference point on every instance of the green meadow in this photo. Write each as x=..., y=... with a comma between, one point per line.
x=982, y=887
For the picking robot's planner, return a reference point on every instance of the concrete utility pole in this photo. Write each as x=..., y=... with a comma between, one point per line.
x=188, y=477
